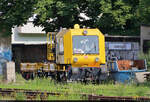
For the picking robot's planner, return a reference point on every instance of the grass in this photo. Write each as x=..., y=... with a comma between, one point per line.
x=74, y=89
x=147, y=57
x=20, y=96
x=6, y=98
x=64, y=97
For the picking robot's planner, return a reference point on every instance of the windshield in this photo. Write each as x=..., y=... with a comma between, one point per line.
x=85, y=44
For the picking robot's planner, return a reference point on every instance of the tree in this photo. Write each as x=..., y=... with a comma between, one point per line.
x=14, y=13
x=53, y=14
x=119, y=17
x=108, y=15
x=144, y=11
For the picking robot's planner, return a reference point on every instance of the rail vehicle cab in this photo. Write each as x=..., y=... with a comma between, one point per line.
x=80, y=47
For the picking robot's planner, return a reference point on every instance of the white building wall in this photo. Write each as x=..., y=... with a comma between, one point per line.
x=28, y=34
x=30, y=28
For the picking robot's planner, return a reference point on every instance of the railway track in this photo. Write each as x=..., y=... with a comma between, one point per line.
x=118, y=98
x=32, y=94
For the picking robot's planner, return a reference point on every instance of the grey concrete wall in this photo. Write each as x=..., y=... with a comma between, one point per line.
x=9, y=72
x=5, y=50
x=145, y=34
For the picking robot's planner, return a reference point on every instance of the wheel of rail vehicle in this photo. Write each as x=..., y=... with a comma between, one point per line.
x=97, y=77
x=61, y=76
x=27, y=75
x=69, y=73
x=86, y=76
x=53, y=75
x=23, y=75
x=40, y=73
x=58, y=76
x=32, y=75
x=46, y=74
x=64, y=77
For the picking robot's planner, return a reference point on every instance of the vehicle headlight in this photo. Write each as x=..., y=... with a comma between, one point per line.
x=85, y=32
x=96, y=59
x=75, y=59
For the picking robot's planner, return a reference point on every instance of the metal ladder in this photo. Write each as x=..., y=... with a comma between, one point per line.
x=50, y=47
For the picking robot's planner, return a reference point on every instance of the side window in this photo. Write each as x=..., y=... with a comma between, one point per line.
x=61, y=46
x=57, y=43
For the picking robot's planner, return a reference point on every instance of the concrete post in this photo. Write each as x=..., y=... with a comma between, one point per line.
x=9, y=72
x=141, y=40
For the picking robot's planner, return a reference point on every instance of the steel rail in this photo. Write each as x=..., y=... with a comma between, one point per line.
x=32, y=94
x=119, y=98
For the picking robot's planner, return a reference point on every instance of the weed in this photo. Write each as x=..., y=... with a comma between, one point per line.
x=73, y=90
x=147, y=57
x=20, y=96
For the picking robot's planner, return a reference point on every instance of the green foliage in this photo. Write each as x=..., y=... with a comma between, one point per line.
x=144, y=11
x=14, y=12
x=147, y=57
x=110, y=16
x=59, y=13
x=118, y=12
x=122, y=17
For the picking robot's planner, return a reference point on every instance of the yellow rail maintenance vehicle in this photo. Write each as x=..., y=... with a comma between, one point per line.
x=79, y=51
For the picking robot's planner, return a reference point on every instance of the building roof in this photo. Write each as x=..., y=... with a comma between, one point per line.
x=118, y=36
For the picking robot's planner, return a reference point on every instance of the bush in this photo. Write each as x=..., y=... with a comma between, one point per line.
x=147, y=57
